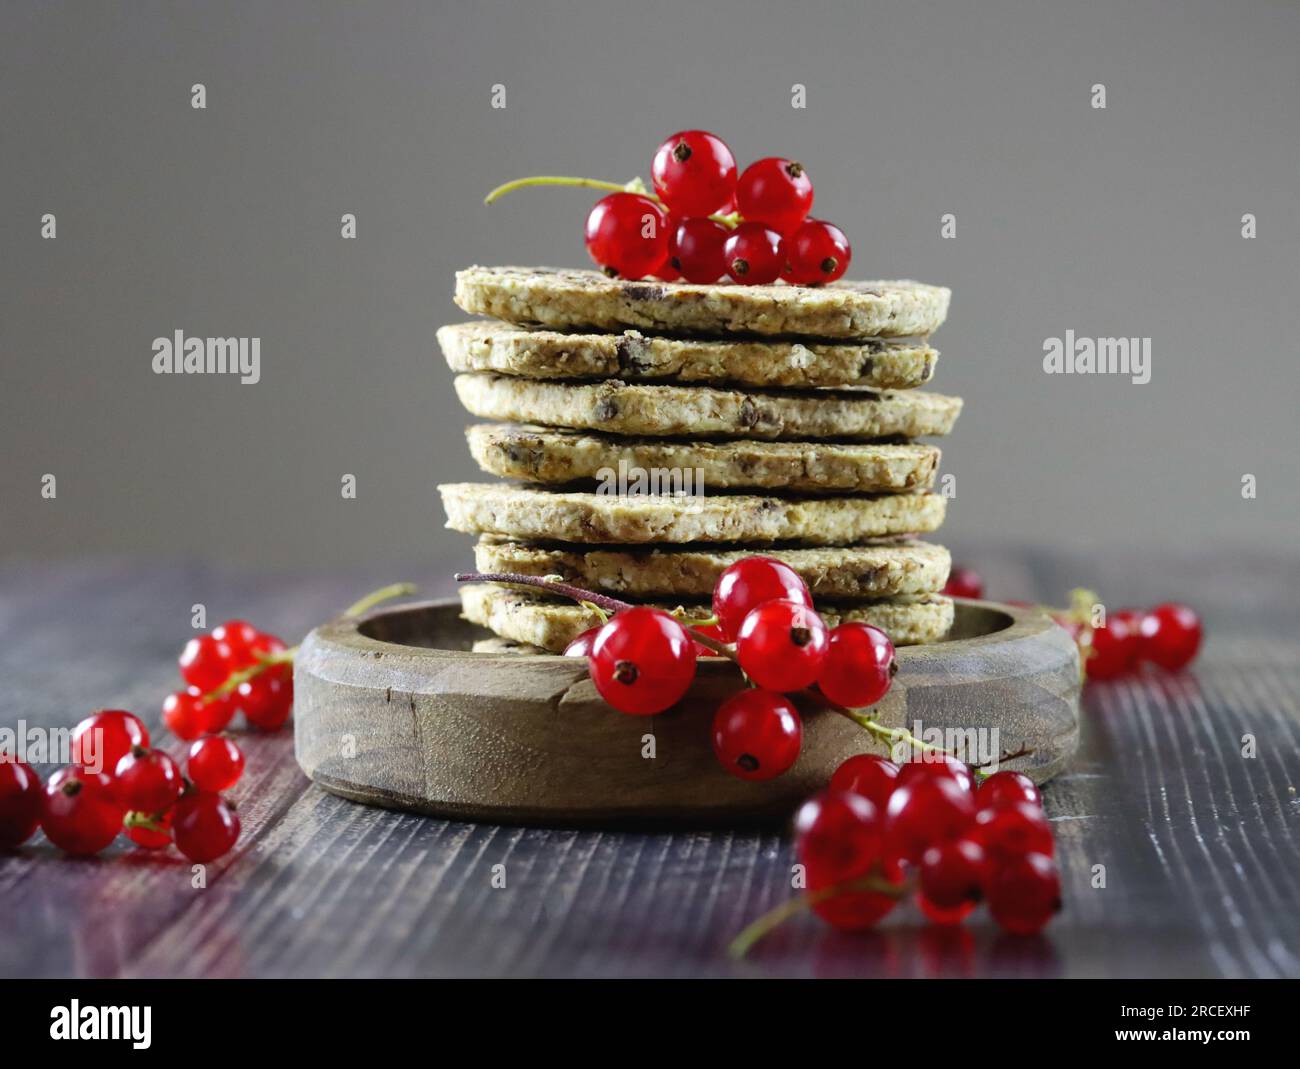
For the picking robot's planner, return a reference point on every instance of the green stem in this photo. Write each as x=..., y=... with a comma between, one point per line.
x=561, y=180
x=378, y=597
x=888, y=735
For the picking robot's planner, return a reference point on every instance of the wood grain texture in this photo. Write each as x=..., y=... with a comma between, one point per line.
x=394, y=709
x=1198, y=842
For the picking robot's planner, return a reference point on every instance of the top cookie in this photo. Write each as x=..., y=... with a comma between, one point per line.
x=576, y=299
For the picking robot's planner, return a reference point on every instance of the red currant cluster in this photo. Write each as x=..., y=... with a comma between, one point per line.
x=117, y=783
x=703, y=222
x=1167, y=636
x=643, y=661
x=236, y=668
x=880, y=832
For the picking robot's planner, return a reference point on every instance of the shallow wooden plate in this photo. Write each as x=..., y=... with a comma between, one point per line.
x=392, y=709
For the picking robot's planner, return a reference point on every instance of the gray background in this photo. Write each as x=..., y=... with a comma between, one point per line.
x=226, y=221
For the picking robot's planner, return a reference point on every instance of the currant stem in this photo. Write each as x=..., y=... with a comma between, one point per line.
x=378, y=597
x=765, y=925
x=563, y=180
x=265, y=661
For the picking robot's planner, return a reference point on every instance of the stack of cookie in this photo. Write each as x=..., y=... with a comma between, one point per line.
x=656, y=432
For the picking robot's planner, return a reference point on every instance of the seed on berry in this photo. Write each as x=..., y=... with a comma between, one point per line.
x=926, y=812
x=1170, y=636
x=695, y=249
x=952, y=879
x=204, y=826
x=1007, y=786
x=267, y=698
x=20, y=801
x=775, y=191
x=1110, y=649
x=1024, y=893
x=782, y=645
x=752, y=254
x=815, y=252
x=214, y=764
x=642, y=661
x=80, y=813
x=928, y=763
x=153, y=831
x=748, y=583
x=757, y=734
x=147, y=780
x=867, y=775
x=627, y=235
x=1012, y=829
x=580, y=646
x=839, y=838
x=102, y=739
x=964, y=583
x=203, y=663
x=859, y=666
x=695, y=173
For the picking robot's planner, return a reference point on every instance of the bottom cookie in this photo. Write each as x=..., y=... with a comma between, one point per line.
x=525, y=617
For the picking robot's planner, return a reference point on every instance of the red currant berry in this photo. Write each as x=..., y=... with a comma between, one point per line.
x=1012, y=829
x=775, y=191
x=815, y=252
x=242, y=645
x=1024, y=893
x=952, y=880
x=931, y=764
x=964, y=583
x=926, y=812
x=102, y=739
x=147, y=780
x=627, y=235
x=782, y=645
x=752, y=254
x=188, y=716
x=1007, y=786
x=666, y=271
x=642, y=661
x=267, y=698
x=867, y=775
x=695, y=173
x=712, y=631
x=1110, y=649
x=750, y=582
x=581, y=645
x=859, y=666
x=696, y=249
x=153, y=831
x=839, y=838
x=20, y=801
x=1170, y=636
x=203, y=663
x=757, y=734
x=205, y=826
x=80, y=813
x=215, y=764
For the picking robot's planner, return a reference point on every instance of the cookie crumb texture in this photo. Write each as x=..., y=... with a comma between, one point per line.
x=867, y=571
x=522, y=616
x=559, y=457
x=616, y=407
x=507, y=349
x=587, y=299
x=587, y=518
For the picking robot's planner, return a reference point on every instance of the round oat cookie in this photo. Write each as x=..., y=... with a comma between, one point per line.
x=585, y=519
x=568, y=300
x=557, y=457
x=871, y=570
x=877, y=363
x=618, y=408
x=538, y=620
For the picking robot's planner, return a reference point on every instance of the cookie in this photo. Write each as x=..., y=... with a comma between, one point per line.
x=868, y=571
x=506, y=349
x=585, y=518
x=569, y=300
x=618, y=408
x=545, y=455
x=538, y=620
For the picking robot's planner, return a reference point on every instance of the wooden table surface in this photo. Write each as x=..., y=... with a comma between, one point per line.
x=1199, y=843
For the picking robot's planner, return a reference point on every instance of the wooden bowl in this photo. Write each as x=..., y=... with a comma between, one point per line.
x=392, y=709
